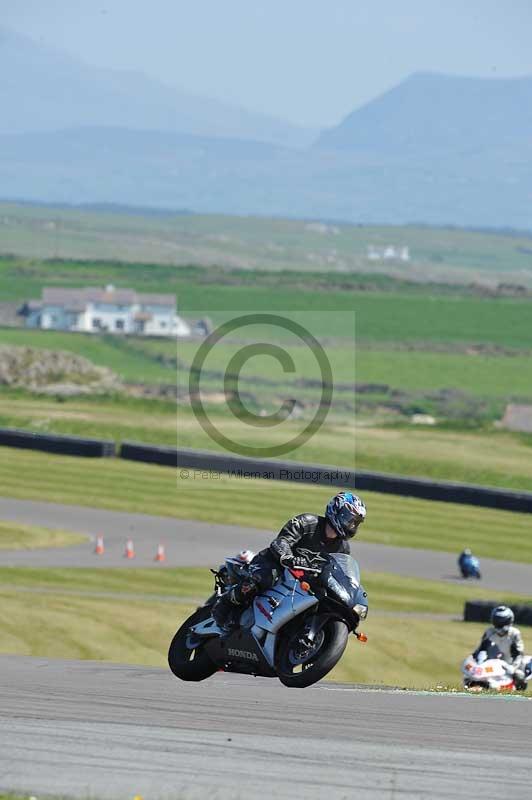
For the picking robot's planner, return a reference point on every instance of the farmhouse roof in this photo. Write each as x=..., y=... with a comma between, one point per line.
x=156, y=299
x=77, y=299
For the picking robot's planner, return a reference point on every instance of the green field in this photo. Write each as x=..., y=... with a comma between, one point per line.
x=453, y=386
x=444, y=254
x=135, y=360
x=149, y=489
x=439, y=350
x=436, y=349
x=394, y=313
x=489, y=457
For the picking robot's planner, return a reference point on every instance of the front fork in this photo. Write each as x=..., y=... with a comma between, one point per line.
x=319, y=620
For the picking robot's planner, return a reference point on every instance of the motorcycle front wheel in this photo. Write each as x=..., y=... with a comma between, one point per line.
x=299, y=664
x=186, y=656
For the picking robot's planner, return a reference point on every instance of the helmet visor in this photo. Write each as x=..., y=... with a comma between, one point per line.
x=349, y=521
x=502, y=629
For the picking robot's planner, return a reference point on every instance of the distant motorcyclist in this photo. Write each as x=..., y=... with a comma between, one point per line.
x=468, y=564
x=298, y=544
x=509, y=641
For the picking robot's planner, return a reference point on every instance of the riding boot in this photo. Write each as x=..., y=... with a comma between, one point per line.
x=519, y=680
x=227, y=609
x=224, y=612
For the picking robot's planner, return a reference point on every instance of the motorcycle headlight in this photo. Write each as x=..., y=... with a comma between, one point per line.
x=361, y=610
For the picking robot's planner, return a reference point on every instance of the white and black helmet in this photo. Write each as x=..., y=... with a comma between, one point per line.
x=501, y=618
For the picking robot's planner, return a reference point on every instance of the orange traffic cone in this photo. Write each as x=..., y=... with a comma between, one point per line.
x=160, y=555
x=99, y=549
x=130, y=550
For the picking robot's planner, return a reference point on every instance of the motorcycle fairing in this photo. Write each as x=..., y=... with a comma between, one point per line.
x=206, y=628
x=259, y=626
x=493, y=673
x=284, y=601
x=271, y=610
x=239, y=652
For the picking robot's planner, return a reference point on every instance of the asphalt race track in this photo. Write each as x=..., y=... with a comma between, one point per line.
x=192, y=543
x=90, y=729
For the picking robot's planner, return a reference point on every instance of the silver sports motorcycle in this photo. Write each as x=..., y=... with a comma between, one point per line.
x=296, y=631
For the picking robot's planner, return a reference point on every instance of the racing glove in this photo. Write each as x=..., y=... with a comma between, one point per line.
x=293, y=562
x=283, y=551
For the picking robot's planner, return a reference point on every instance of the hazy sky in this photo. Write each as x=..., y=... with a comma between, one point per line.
x=309, y=61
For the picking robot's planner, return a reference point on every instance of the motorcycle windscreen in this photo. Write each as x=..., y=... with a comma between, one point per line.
x=342, y=577
x=349, y=567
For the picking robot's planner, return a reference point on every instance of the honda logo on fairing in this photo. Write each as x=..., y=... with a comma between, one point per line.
x=242, y=654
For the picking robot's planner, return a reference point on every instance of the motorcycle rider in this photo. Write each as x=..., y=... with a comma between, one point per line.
x=464, y=560
x=509, y=641
x=298, y=544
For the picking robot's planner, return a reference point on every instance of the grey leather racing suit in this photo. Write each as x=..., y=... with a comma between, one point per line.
x=510, y=644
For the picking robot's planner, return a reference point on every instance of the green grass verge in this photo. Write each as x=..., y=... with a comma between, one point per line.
x=174, y=583
x=387, y=592
x=14, y=536
x=149, y=489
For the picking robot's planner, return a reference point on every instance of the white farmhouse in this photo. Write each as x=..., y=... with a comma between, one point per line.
x=388, y=253
x=109, y=310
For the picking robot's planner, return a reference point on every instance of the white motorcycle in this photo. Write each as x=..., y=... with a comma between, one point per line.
x=489, y=670
x=296, y=631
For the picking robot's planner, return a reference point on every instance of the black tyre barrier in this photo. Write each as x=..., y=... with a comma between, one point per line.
x=480, y=611
x=270, y=469
x=149, y=454
x=446, y=491
x=64, y=445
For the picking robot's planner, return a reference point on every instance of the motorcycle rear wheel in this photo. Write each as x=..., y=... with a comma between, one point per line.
x=297, y=671
x=186, y=662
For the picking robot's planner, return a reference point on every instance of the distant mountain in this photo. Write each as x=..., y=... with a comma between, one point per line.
x=43, y=89
x=430, y=113
x=168, y=170
x=148, y=168
x=435, y=149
